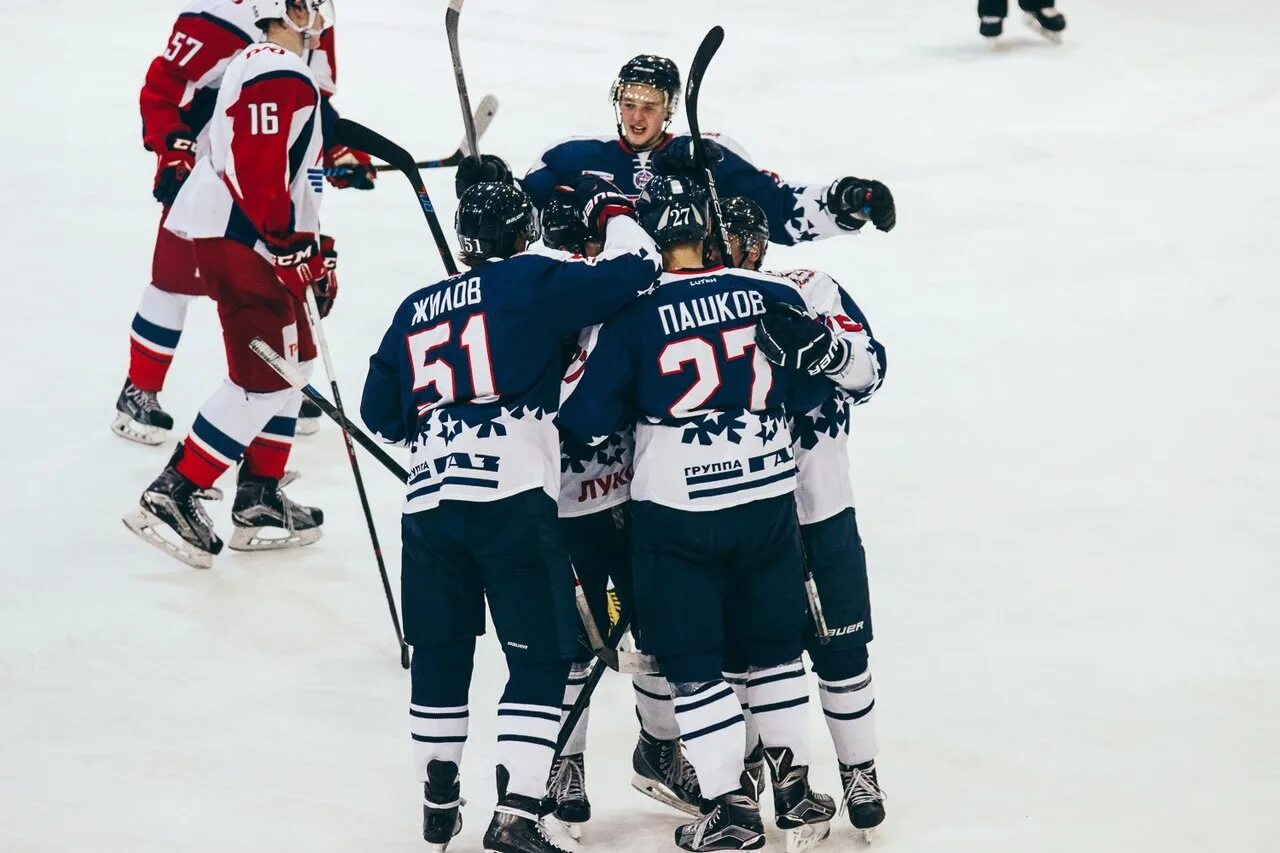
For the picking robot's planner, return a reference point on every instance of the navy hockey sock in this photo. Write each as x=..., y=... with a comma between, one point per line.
x=438, y=715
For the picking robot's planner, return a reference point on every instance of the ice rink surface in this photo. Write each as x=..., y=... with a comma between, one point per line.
x=1068, y=486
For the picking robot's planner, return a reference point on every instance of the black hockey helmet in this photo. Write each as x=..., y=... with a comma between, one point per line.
x=648, y=70
x=744, y=219
x=562, y=225
x=674, y=210
x=490, y=217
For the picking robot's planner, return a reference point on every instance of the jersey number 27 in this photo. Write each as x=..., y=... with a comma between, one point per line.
x=702, y=354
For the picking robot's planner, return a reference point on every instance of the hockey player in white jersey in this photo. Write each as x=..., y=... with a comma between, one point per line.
x=717, y=561
x=251, y=207
x=843, y=349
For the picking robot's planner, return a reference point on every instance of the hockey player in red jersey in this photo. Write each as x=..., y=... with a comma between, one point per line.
x=251, y=209
x=176, y=105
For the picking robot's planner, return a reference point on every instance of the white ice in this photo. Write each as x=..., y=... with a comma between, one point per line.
x=1068, y=485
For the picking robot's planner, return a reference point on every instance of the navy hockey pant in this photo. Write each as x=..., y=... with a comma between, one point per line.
x=599, y=544
x=833, y=549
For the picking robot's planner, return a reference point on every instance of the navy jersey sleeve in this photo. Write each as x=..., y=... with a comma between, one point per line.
x=328, y=118
x=544, y=176
x=381, y=406
x=601, y=389
x=584, y=292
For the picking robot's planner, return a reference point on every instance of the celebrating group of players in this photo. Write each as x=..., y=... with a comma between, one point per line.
x=630, y=401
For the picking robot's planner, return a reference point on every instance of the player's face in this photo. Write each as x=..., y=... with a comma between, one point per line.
x=591, y=248
x=644, y=112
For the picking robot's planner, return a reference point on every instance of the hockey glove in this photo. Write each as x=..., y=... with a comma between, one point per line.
x=599, y=202
x=357, y=174
x=327, y=288
x=853, y=201
x=490, y=168
x=173, y=165
x=678, y=157
x=298, y=265
x=791, y=339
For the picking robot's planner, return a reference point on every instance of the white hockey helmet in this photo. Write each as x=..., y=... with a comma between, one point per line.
x=264, y=10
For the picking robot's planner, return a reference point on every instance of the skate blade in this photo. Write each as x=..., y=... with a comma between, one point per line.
x=270, y=538
x=1030, y=21
x=868, y=835
x=573, y=829
x=664, y=795
x=307, y=426
x=147, y=526
x=126, y=427
x=807, y=837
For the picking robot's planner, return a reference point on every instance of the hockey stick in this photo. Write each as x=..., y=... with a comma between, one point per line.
x=375, y=144
x=484, y=116
x=290, y=374
x=597, y=672
x=631, y=663
x=317, y=329
x=710, y=44
x=451, y=17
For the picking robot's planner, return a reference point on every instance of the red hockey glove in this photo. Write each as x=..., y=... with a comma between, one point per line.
x=298, y=265
x=357, y=168
x=327, y=288
x=173, y=165
x=600, y=201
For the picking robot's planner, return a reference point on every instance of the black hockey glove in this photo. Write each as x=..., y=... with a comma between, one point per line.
x=791, y=339
x=490, y=168
x=678, y=159
x=327, y=288
x=599, y=201
x=854, y=200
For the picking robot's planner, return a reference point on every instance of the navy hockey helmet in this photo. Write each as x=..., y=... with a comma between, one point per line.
x=744, y=219
x=490, y=217
x=562, y=225
x=674, y=210
x=647, y=70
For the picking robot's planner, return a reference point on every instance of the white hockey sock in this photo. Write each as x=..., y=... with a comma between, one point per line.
x=577, y=742
x=850, y=709
x=713, y=731
x=738, y=681
x=438, y=734
x=778, y=696
x=161, y=308
x=526, y=743
x=653, y=704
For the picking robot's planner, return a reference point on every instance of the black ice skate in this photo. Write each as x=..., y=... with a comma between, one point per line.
x=266, y=520
x=731, y=822
x=171, y=505
x=662, y=772
x=139, y=416
x=441, y=805
x=309, y=418
x=753, y=772
x=517, y=827
x=863, y=797
x=1047, y=21
x=567, y=789
x=990, y=26
x=803, y=814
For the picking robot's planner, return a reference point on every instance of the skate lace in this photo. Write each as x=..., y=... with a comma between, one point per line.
x=681, y=771
x=862, y=788
x=147, y=401
x=568, y=784
x=196, y=506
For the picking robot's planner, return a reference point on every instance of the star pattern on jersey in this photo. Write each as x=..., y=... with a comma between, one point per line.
x=769, y=426
x=830, y=419
x=705, y=428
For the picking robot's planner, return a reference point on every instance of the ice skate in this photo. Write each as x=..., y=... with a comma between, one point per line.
x=753, y=772
x=732, y=822
x=139, y=416
x=662, y=772
x=802, y=813
x=266, y=520
x=863, y=797
x=990, y=26
x=1048, y=22
x=517, y=828
x=567, y=790
x=309, y=418
x=171, y=517
x=441, y=805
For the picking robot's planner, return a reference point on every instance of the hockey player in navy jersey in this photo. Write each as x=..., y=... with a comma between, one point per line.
x=844, y=350
x=717, y=559
x=468, y=374
x=645, y=96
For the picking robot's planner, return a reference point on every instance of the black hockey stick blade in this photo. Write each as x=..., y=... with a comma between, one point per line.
x=290, y=374
x=451, y=18
x=710, y=44
x=357, y=136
